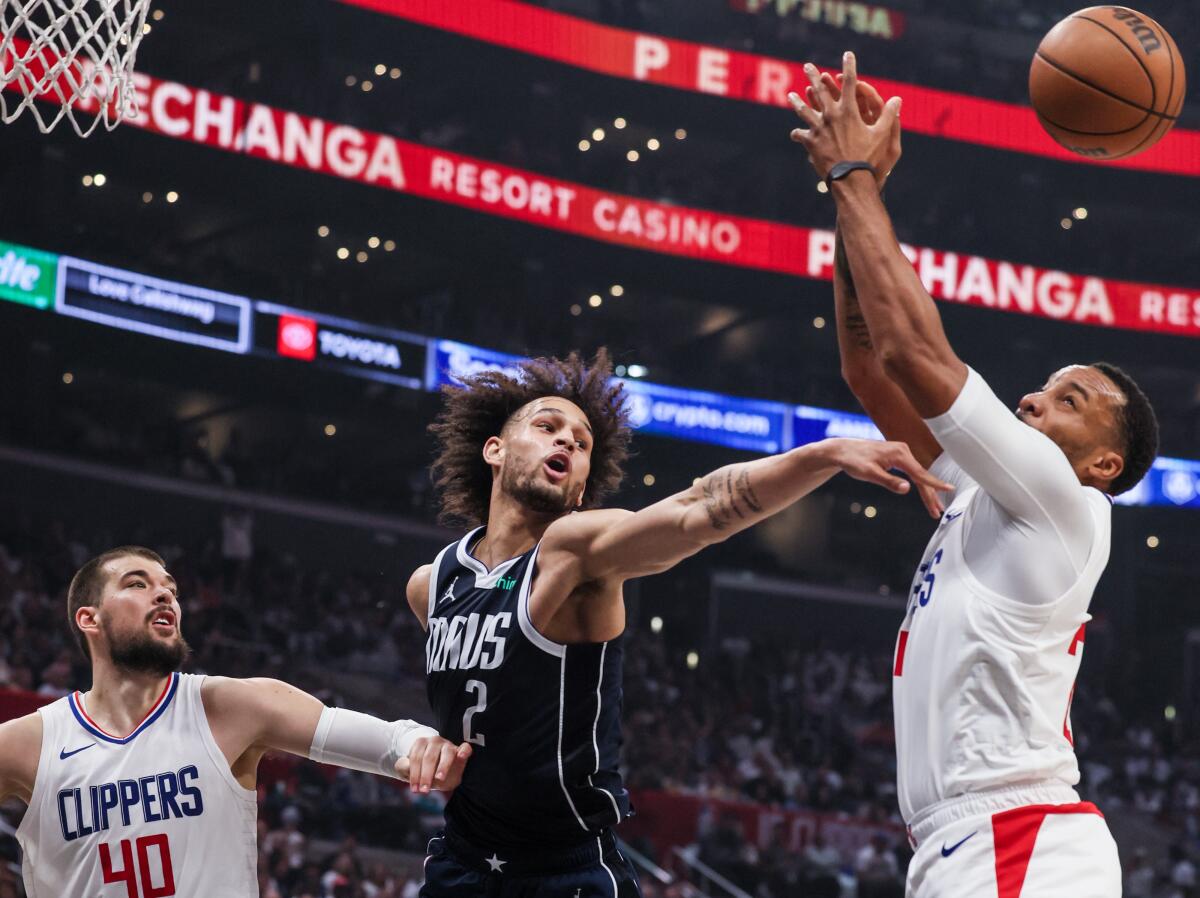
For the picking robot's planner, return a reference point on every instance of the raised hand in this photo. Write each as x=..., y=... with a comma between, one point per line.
x=839, y=130
x=870, y=107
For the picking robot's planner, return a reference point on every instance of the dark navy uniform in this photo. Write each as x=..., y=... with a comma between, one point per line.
x=542, y=788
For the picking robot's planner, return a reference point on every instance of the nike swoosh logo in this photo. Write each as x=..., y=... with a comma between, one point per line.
x=64, y=754
x=946, y=852
x=951, y=517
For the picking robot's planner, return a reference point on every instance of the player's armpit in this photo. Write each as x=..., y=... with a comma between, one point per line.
x=20, y=749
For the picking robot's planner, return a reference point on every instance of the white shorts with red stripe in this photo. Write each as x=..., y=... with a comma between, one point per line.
x=1029, y=841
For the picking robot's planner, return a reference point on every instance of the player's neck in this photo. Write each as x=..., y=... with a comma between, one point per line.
x=512, y=530
x=118, y=699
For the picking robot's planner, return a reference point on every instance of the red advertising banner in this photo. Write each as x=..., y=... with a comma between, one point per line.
x=654, y=59
x=379, y=160
x=861, y=18
x=263, y=132
x=669, y=819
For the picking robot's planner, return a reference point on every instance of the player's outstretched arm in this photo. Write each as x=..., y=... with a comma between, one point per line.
x=264, y=715
x=620, y=545
x=20, y=748
x=879, y=395
x=861, y=369
x=904, y=323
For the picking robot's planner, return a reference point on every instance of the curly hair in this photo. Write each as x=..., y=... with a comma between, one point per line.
x=485, y=403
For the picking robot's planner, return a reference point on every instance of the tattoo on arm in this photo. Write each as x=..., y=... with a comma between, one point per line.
x=855, y=323
x=746, y=491
x=729, y=495
x=722, y=495
x=718, y=514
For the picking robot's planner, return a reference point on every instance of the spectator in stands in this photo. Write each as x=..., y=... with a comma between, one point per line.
x=878, y=874
x=821, y=865
x=1183, y=873
x=1139, y=876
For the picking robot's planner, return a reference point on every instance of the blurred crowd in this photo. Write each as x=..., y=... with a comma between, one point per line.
x=785, y=727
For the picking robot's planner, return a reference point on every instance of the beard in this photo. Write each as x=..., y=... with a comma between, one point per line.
x=144, y=653
x=535, y=494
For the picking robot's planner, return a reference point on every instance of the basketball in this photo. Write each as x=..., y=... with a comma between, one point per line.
x=1107, y=82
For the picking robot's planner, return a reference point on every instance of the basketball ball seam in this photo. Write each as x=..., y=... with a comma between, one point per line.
x=1132, y=52
x=1049, y=121
x=1108, y=93
x=1153, y=137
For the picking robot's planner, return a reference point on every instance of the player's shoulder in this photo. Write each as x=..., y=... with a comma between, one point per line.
x=19, y=732
x=20, y=748
x=1101, y=501
x=417, y=590
x=227, y=694
x=576, y=532
x=237, y=695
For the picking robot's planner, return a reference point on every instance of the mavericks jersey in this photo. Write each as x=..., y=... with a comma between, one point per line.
x=153, y=814
x=544, y=718
x=983, y=682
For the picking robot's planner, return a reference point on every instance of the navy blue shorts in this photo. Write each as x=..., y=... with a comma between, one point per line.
x=595, y=869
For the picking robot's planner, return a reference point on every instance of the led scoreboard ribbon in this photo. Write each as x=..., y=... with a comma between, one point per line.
x=654, y=59
x=186, y=313
x=388, y=163
x=379, y=160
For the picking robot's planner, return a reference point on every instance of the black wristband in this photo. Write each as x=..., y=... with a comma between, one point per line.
x=841, y=169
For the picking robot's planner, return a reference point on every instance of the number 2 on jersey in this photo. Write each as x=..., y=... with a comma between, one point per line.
x=129, y=874
x=479, y=688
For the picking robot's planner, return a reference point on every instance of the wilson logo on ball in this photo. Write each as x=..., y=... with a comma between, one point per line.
x=297, y=337
x=1143, y=32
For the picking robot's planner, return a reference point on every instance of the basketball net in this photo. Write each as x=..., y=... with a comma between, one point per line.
x=70, y=59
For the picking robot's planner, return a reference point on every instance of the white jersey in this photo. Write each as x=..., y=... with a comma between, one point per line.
x=991, y=643
x=152, y=814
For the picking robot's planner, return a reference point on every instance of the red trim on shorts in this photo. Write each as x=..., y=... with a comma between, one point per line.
x=1079, y=637
x=1015, y=832
x=901, y=645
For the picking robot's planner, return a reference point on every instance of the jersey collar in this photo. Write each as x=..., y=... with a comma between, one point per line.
x=155, y=712
x=484, y=579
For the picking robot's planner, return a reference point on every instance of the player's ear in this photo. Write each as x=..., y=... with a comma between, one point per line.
x=493, y=451
x=1107, y=466
x=87, y=618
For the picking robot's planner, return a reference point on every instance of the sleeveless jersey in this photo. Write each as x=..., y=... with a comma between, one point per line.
x=983, y=682
x=154, y=814
x=544, y=718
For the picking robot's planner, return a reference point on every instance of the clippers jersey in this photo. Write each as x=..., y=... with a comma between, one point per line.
x=154, y=814
x=544, y=718
x=983, y=677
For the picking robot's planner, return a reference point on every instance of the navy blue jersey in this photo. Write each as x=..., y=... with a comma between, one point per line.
x=544, y=718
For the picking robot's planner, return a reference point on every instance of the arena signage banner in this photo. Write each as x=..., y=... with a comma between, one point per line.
x=758, y=425
x=27, y=276
x=694, y=415
x=1171, y=481
x=716, y=71
x=147, y=305
x=860, y=18
x=810, y=424
x=703, y=417
x=382, y=161
x=340, y=344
